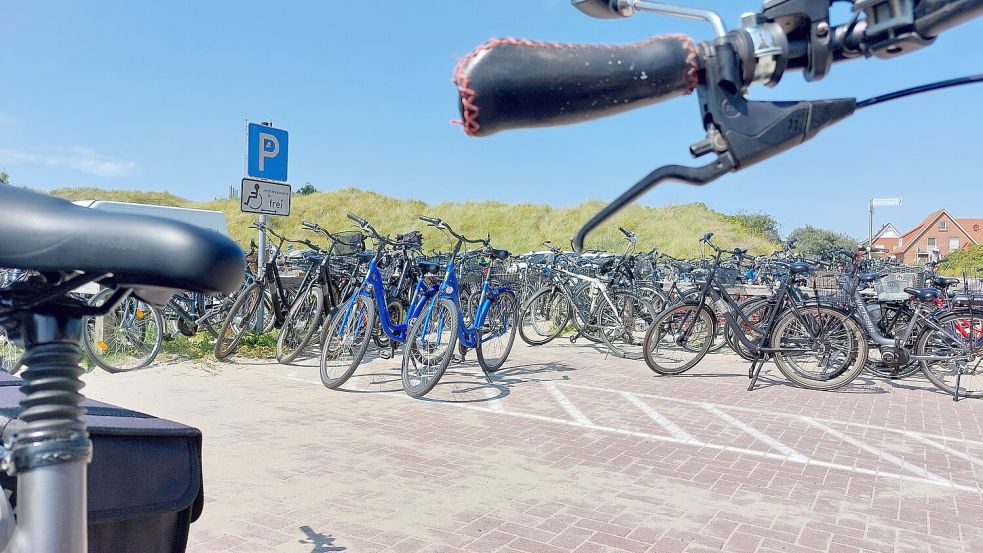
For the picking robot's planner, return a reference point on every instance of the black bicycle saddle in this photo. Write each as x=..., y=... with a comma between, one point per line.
x=148, y=254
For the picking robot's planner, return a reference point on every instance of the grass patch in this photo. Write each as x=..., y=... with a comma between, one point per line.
x=519, y=227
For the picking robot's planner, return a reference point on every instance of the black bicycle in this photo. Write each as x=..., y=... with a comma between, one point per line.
x=814, y=345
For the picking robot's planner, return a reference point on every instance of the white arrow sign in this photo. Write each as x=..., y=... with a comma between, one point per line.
x=885, y=201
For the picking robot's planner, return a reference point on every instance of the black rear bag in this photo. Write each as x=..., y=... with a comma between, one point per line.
x=144, y=481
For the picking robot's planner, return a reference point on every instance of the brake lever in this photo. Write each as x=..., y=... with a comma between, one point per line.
x=741, y=132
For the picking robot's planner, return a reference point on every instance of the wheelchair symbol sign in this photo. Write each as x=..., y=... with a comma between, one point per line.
x=265, y=198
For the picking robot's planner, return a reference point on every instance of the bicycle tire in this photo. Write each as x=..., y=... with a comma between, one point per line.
x=585, y=328
x=344, y=348
x=289, y=344
x=442, y=317
x=624, y=341
x=240, y=319
x=853, y=352
x=128, y=321
x=936, y=372
x=504, y=314
x=667, y=325
x=557, y=310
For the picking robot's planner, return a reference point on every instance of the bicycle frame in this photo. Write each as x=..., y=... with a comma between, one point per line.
x=468, y=335
x=373, y=287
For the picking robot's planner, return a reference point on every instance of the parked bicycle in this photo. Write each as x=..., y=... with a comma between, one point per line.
x=432, y=335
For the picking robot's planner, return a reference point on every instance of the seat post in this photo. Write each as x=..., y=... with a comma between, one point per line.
x=50, y=446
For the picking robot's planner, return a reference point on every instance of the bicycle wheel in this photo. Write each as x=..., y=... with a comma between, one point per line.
x=678, y=339
x=241, y=318
x=544, y=317
x=624, y=325
x=347, y=339
x=429, y=347
x=125, y=339
x=959, y=340
x=300, y=325
x=497, y=334
x=835, y=347
x=757, y=311
x=653, y=295
x=586, y=312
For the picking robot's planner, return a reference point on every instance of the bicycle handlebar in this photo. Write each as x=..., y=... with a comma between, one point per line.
x=509, y=84
x=440, y=224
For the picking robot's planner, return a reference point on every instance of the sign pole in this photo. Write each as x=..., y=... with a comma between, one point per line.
x=870, y=229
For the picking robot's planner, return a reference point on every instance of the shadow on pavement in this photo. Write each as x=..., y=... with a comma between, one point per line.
x=322, y=542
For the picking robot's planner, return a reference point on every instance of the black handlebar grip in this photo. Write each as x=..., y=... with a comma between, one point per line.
x=512, y=83
x=357, y=219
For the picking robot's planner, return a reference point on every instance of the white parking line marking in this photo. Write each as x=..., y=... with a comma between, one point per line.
x=877, y=473
x=954, y=452
x=756, y=434
x=569, y=407
x=772, y=413
x=670, y=426
x=881, y=454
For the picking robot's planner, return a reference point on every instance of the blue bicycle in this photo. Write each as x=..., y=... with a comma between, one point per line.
x=350, y=329
x=432, y=334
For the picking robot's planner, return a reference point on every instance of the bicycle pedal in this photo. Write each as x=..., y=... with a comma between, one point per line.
x=387, y=353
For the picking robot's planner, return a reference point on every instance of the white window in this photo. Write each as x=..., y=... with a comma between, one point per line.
x=943, y=225
x=953, y=243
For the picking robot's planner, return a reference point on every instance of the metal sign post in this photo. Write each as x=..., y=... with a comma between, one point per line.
x=870, y=218
x=266, y=162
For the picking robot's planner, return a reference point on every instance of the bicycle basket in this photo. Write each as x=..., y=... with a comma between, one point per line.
x=348, y=243
x=413, y=239
x=829, y=287
x=891, y=286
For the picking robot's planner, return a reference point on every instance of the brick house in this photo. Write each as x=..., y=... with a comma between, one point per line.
x=939, y=233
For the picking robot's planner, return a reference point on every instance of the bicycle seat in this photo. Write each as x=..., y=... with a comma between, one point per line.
x=684, y=267
x=499, y=254
x=923, y=294
x=945, y=282
x=151, y=255
x=739, y=251
x=869, y=277
x=799, y=267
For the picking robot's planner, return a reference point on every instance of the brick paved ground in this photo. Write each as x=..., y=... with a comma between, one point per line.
x=568, y=450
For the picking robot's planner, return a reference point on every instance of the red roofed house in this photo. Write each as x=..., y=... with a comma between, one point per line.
x=939, y=232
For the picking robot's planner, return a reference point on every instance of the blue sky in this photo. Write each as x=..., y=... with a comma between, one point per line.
x=154, y=95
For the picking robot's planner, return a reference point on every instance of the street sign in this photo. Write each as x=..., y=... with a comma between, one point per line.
x=885, y=201
x=264, y=197
x=267, y=155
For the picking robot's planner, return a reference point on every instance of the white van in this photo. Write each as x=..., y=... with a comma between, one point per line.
x=214, y=220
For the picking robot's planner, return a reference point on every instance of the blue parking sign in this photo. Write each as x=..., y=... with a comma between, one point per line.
x=267, y=153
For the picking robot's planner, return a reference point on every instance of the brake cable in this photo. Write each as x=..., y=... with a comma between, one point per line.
x=970, y=79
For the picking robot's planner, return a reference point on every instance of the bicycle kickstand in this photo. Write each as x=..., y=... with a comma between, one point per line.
x=573, y=339
x=754, y=371
x=955, y=393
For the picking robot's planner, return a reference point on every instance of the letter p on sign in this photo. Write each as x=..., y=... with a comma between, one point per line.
x=267, y=155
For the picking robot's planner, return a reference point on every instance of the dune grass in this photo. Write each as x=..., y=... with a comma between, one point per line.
x=519, y=227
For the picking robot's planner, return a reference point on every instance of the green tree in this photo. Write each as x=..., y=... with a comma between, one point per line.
x=4, y=177
x=756, y=224
x=810, y=239
x=306, y=190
